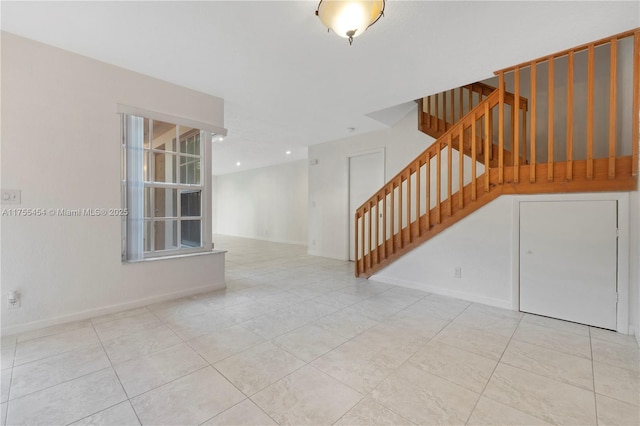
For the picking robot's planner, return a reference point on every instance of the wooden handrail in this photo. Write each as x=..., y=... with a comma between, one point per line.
x=565, y=52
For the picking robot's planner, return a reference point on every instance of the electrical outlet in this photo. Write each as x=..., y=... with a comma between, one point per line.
x=457, y=272
x=13, y=300
x=11, y=196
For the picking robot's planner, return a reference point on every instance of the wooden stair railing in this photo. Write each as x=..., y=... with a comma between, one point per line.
x=440, y=112
x=453, y=178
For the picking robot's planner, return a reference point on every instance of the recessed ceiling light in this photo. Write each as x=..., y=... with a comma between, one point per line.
x=238, y=163
x=288, y=152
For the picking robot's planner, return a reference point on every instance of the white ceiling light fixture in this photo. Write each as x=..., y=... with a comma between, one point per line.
x=349, y=18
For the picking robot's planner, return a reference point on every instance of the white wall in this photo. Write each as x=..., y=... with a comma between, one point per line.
x=61, y=148
x=486, y=246
x=329, y=179
x=269, y=203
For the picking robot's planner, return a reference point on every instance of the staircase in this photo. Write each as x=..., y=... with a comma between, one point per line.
x=531, y=134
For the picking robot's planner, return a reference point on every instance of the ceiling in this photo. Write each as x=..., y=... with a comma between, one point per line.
x=287, y=83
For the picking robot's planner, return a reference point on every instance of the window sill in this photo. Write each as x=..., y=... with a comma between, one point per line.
x=176, y=256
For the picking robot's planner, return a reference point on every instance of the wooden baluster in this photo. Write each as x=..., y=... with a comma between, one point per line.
x=474, y=154
x=369, y=235
x=449, y=170
x=612, y=108
x=550, y=120
x=429, y=112
x=524, y=134
x=418, y=196
x=355, y=246
x=437, y=116
x=501, y=128
x=444, y=110
x=439, y=181
x=590, y=99
x=453, y=110
x=427, y=185
x=377, y=242
x=362, y=247
x=409, y=205
x=515, y=114
x=400, y=212
x=392, y=219
x=532, y=161
x=490, y=152
x=470, y=99
x=461, y=165
x=420, y=113
x=570, y=117
x=635, y=119
x=384, y=225
x=460, y=109
x=486, y=147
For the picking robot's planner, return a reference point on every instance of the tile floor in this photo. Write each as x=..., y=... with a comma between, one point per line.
x=296, y=339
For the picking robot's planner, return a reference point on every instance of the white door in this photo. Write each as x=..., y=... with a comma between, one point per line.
x=366, y=176
x=568, y=261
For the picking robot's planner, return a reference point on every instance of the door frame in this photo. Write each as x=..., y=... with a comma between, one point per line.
x=348, y=168
x=622, y=320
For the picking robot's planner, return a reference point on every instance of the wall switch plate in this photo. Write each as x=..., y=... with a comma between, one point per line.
x=11, y=196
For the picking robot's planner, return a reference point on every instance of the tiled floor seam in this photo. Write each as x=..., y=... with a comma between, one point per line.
x=491, y=376
x=593, y=376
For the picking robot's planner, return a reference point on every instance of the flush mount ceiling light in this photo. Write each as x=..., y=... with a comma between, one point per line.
x=349, y=18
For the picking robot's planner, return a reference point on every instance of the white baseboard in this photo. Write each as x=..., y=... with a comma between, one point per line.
x=327, y=255
x=105, y=310
x=271, y=240
x=498, y=303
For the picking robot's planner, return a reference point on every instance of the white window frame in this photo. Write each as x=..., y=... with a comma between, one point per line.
x=205, y=187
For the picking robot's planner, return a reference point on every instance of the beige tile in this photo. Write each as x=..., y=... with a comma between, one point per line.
x=480, y=342
x=616, y=382
x=550, y=400
x=441, y=307
x=553, y=338
x=139, y=342
x=225, y=342
x=613, y=337
x=126, y=324
x=277, y=323
x=142, y=374
x=178, y=308
x=118, y=415
x=623, y=356
x=307, y=396
x=309, y=342
x=5, y=379
x=495, y=322
x=245, y=413
x=68, y=401
x=192, y=399
x=424, y=398
x=43, y=347
x=567, y=326
x=613, y=412
x=258, y=367
x=338, y=299
x=556, y=365
x=456, y=365
x=493, y=413
x=246, y=311
x=49, y=331
x=368, y=412
x=425, y=326
x=7, y=352
x=346, y=323
x=37, y=375
x=190, y=327
x=119, y=315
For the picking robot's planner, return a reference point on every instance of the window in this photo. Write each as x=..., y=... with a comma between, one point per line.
x=166, y=187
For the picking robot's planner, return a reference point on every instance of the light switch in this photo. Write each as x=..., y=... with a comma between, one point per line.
x=10, y=196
